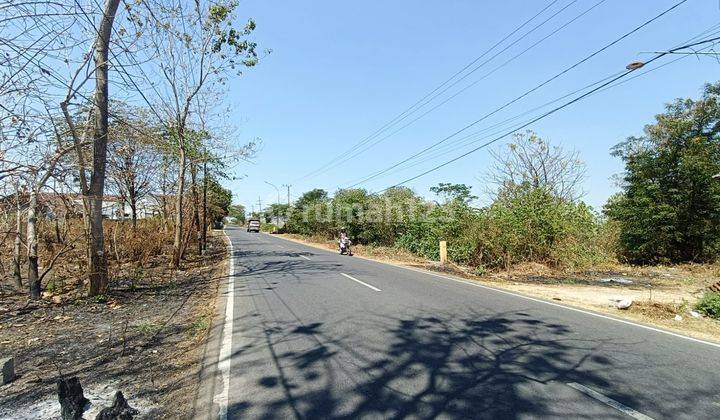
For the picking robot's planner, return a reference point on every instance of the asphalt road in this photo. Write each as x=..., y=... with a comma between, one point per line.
x=319, y=335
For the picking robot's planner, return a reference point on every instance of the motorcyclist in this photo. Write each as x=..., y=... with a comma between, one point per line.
x=344, y=243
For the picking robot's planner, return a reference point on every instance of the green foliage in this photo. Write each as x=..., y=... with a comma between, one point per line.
x=709, y=305
x=449, y=222
x=277, y=210
x=148, y=327
x=669, y=209
x=238, y=212
x=453, y=192
x=523, y=224
x=219, y=200
x=309, y=215
x=268, y=228
x=229, y=42
x=532, y=224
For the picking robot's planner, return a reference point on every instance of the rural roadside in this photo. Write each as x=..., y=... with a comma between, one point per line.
x=144, y=338
x=661, y=297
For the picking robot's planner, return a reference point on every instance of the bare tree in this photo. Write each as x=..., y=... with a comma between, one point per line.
x=38, y=40
x=194, y=45
x=134, y=158
x=531, y=161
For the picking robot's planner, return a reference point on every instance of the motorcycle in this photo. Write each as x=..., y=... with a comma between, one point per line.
x=345, y=247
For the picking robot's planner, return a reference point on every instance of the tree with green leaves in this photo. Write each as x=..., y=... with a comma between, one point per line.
x=453, y=192
x=237, y=211
x=669, y=207
x=309, y=213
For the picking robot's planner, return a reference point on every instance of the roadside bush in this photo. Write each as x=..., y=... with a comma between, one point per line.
x=447, y=222
x=268, y=227
x=533, y=225
x=523, y=224
x=709, y=305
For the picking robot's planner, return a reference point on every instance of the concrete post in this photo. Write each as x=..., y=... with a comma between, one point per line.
x=443, y=252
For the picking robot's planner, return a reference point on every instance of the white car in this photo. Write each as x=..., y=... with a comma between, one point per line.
x=253, y=225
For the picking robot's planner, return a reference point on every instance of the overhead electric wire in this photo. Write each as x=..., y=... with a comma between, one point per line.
x=556, y=76
x=554, y=110
x=712, y=31
x=410, y=109
x=463, y=89
x=447, y=150
x=473, y=137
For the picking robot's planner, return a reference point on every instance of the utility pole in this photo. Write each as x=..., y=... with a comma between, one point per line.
x=288, y=194
x=277, y=214
x=260, y=210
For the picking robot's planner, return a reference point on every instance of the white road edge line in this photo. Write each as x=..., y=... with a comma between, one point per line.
x=569, y=308
x=302, y=256
x=362, y=282
x=608, y=401
x=223, y=397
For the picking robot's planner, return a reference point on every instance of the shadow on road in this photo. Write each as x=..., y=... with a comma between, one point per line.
x=458, y=363
x=432, y=366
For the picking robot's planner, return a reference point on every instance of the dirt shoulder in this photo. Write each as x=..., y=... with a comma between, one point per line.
x=659, y=294
x=144, y=338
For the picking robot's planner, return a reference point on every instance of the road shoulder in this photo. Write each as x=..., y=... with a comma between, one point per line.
x=209, y=379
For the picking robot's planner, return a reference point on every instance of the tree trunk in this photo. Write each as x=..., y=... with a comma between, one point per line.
x=196, y=207
x=187, y=238
x=17, y=276
x=204, y=212
x=98, y=260
x=133, y=210
x=177, y=242
x=32, y=250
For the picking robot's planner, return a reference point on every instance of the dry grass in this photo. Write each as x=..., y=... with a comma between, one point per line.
x=144, y=336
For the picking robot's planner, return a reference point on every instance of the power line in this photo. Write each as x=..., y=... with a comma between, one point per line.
x=516, y=99
x=412, y=109
x=554, y=110
x=463, y=89
x=453, y=148
x=473, y=137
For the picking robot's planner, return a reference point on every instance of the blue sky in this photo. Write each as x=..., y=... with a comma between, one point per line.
x=340, y=70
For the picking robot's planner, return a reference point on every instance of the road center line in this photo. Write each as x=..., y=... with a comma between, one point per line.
x=521, y=296
x=302, y=256
x=609, y=401
x=223, y=397
x=362, y=282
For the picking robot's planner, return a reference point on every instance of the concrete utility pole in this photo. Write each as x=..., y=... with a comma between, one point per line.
x=288, y=193
x=277, y=215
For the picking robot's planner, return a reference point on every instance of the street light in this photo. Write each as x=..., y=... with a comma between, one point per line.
x=716, y=176
x=277, y=190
